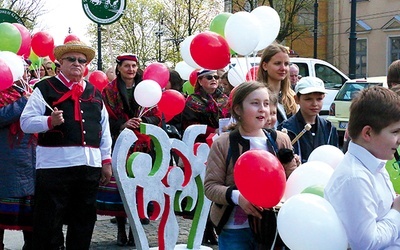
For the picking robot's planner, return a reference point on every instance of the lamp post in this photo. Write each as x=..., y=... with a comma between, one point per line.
x=99, y=58
x=315, y=28
x=159, y=34
x=352, y=41
x=189, y=18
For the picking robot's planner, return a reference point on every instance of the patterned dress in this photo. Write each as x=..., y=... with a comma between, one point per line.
x=207, y=109
x=17, y=157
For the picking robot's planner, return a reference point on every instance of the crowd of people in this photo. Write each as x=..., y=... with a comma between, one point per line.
x=58, y=140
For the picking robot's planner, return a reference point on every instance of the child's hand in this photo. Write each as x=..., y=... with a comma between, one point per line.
x=396, y=203
x=248, y=208
x=292, y=165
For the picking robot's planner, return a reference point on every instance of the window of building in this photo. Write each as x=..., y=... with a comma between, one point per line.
x=361, y=58
x=394, y=49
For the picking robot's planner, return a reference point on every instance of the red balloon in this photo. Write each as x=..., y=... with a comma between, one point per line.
x=210, y=50
x=98, y=79
x=252, y=74
x=25, y=49
x=260, y=178
x=6, y=77
x=157, y=72
x=42, y=44
x=193, y=77
x=71, y=37
x=51, y=56
x=230, y=98
x=86, y=71
x=172, y=102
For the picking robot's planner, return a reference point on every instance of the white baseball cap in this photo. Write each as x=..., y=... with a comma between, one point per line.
x=310, y=84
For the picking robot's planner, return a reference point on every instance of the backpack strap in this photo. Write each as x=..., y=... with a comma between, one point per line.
x=271, y=135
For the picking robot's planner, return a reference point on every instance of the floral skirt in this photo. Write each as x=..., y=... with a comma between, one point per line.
x=16, y=213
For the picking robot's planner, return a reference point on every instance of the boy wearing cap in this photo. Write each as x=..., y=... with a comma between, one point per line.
x=310, y=93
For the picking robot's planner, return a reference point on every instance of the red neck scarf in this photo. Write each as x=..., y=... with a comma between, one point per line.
x=75, y=92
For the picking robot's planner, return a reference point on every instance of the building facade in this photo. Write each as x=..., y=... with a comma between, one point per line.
x=378, y=35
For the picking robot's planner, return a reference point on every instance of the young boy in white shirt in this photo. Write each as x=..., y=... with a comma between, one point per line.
x=360, y=189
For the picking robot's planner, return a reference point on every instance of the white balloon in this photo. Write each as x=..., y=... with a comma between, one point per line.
x=15, y=63
x=236, y=76
x=308, y=174
x=184, y=70
x=242, y=32
x=329, y=154
x=185, y=52
x=270, y=24
x=147, y=93
x=308, y=222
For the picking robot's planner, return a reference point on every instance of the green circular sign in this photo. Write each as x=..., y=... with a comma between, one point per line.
x=10, y=16
x=104, y=11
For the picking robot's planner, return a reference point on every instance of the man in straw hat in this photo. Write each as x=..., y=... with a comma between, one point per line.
x=73, y=153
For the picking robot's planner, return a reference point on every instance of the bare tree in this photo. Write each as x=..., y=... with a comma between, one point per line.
x=28, y=10
x=290, y=12
x=153, y=30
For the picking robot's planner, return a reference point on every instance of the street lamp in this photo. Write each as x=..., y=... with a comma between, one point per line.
x=189, y=19
x=159, y=34
x=315, y=27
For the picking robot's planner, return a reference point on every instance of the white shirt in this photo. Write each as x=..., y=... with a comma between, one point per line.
x=33, y=120
x=361, y=193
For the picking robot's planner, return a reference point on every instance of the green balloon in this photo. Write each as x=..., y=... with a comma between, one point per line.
x=218, y=23
x=314, y=189
x=11, y=38
x=36, y=61
x=393, y=169
x=188, y=88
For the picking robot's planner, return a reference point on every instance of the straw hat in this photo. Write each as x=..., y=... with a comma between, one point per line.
x=74, y=46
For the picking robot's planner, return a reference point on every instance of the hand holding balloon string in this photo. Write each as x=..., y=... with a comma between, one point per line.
x=28, y=89
x=306, y=128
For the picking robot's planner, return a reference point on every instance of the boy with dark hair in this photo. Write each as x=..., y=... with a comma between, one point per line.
x=310, y=93
x=360, y=190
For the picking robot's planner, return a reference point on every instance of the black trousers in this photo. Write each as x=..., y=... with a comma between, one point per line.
x=65, y=195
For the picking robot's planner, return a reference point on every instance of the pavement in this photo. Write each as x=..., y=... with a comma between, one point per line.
x=105, y=235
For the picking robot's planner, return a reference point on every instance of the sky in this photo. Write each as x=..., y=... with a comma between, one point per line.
x=60, y=16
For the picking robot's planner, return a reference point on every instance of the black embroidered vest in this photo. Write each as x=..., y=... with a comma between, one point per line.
x=87, y=131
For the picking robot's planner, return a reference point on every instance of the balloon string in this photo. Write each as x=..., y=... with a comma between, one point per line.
x=40, y=99
x=254, y=76
x=240, y=67
x=246, y=58
x=143, y=113
x=237, y=75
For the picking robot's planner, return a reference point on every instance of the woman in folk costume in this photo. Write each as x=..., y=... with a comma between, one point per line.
x=124, y=112
x=17, y=157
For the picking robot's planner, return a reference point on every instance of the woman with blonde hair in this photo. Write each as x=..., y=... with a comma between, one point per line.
x=274, y=73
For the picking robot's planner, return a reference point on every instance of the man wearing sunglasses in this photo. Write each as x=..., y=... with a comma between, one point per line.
x=73, y=152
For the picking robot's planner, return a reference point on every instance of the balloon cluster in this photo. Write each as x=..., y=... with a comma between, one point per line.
x=299, y=218
x=149, y=92
x=15, y=43
x=305, y=219
x=241, y=33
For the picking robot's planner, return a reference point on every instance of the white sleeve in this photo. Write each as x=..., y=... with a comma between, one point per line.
x=106, y=141
x=32, y=118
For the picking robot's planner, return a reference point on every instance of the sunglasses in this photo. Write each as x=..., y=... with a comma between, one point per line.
x=210, y=77
x=73, y=59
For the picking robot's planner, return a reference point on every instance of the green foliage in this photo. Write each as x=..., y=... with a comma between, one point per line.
x=144, y=20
